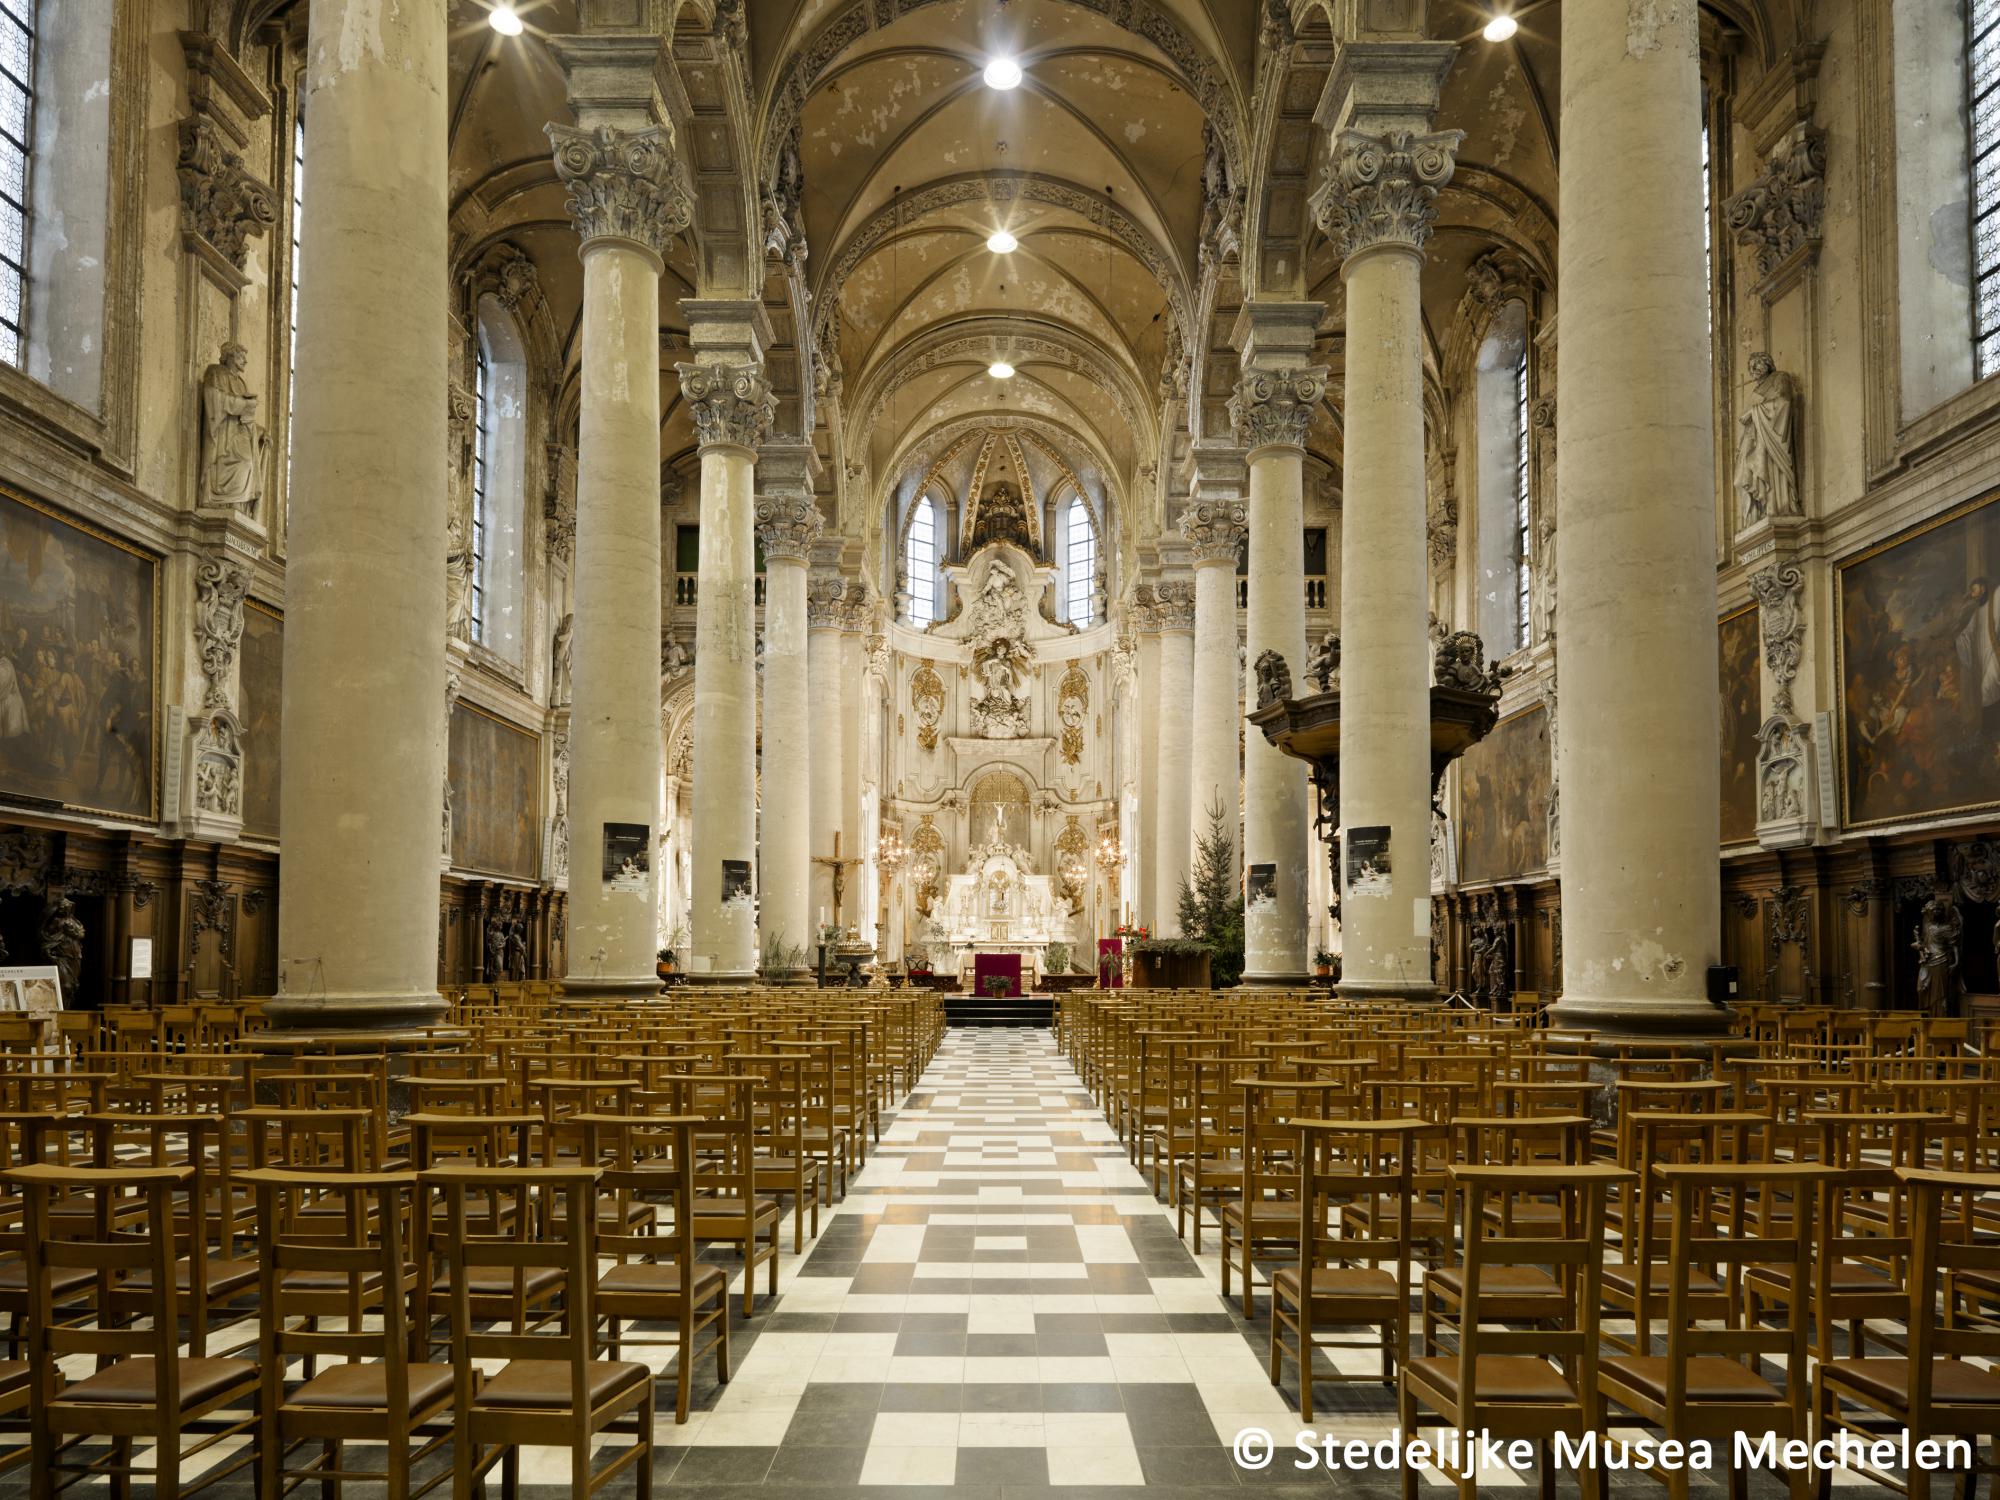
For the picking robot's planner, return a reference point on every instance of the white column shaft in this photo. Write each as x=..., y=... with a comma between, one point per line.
x=828, y=772
x=786, y=825
x=1174, y=851
x=363, y=743
x=1216, y=706
x=1276, y=810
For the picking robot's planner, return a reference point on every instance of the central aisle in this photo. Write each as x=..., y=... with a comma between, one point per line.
x=1000, y=1305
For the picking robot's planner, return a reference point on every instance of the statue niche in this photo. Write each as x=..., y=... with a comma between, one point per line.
x=1002, y=517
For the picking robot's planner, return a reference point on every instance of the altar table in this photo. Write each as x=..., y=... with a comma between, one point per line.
x=1006, y=966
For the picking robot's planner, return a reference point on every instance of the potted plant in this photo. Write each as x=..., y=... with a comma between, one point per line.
x=1323, y=963
x=997, y=985
x=667, y=960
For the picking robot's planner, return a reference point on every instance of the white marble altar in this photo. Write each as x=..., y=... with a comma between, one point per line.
x=999, y=904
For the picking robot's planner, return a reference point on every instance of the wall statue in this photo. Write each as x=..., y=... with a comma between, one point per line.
x=1766, y=463
x=561, y=653
x=62, y=937
x=1323, y=671
x=675, y=658
x=1461, y=663
x=1000, y=707
x=235, y=447
x=1545, y=581
x=1274, y=679
x=1940, y=929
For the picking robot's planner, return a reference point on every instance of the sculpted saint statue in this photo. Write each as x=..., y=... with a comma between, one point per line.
x=235, y=448
x=1766, y=472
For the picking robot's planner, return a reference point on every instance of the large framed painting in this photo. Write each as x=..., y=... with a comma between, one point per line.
x=1503, y=800
x=79, y=664
x=496, y=802
x=1919, y=660
x=261, y=665
x=1742, y=715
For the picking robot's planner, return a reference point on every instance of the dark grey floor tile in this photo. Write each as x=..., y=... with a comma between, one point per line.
x=1003, y=1466
x=816, y=1466
x=1001, y=1397
x=730, y=1466
x=914, y=1396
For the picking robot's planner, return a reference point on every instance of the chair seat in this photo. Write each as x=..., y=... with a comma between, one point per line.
x=365, y=1387
x=1624, y=1279
x=14, y=1374
x=134, y=1382
x=1710, y=1377
x=225, y=1277
x=1886, y=1382
x=1498, y=1377
x=640, y=1278
x=543, y=1384
x=498, y=1281
x=1847, y=1277
x=1337, y=1283
x=1498, y=1282
x=711, y=1223
x=67, y=1282
x=1264, y=1212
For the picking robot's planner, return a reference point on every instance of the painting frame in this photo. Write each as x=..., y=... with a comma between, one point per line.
x=1520, y=786
x=1845, y=580
x=152, y=612
x=1742, y=832
x=262, y=722
x=467, y=842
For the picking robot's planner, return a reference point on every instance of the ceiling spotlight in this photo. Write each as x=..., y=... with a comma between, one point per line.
x=505, y=20
x=1003, y=73
x=1000, y=242
x=1500, y=28
x=1000, y=370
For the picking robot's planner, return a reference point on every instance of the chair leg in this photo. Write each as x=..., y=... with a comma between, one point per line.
x=167, y=1467
x=644, y=1418
x=510, y=1473
x=722, y=1343
x=1406, y=1423
x=579, y=1465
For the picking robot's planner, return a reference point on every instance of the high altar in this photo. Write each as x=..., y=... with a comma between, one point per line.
x=998, y=904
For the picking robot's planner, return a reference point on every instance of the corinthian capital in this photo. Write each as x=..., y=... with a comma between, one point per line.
x=221, y=201
x=826, y=593
x=623, y=184
x=729, y=403
x=788, y=525
x=1215, y=529
x=1173, y=603
x=1274, y=407
x=1382, y=189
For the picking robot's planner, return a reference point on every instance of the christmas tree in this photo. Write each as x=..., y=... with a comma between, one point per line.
x=1211, y=905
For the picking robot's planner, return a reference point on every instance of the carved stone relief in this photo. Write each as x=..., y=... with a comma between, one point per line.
x=927, y=698
x=1072, y=706
x=235, y=446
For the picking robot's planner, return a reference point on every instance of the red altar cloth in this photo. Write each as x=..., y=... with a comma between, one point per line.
x=1006, y=966
x=1111, y=963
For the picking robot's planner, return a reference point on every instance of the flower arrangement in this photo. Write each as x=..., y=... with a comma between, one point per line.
x=997, y=985
x=1130, y=930
x=1324, y=959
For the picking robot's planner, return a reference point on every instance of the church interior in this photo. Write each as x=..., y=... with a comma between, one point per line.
x=715, y=718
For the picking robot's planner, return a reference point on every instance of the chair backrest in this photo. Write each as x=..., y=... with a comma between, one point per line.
x=337, y=1240
x=1730, y=1218
x=1358, y=1164
x=644, y=1158
x=1942, y=1210
x=1574, y=1255
x=549, y=1222
x=106, y=1238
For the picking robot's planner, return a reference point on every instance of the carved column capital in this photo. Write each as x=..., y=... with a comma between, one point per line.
x=1381, y=190
x=1778, y=217
x=623, y=184
x=1214, y=529
x=729, y=403
x=826, y=592
x=1273, y=408
x=222, y=204
x=1173, y=603
x=788, y=526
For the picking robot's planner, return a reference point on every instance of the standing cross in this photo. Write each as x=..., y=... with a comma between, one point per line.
x=839, y=868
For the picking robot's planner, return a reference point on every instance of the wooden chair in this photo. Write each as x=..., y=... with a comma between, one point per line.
x=377, y=1393
x=778, y=1133
x=1944, y=1387
x=657, y=1277
x=553, y=1391
x=726, y=1206
x=1342, y=1279
x=1708, y=1385
x=1519, y=1383
x=143, y=1389
x=1267, y=1211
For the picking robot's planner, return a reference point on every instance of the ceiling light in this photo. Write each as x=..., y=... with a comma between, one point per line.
x=1003, y=73
x=1500, y=28
x=1000, y=370
x=1000, y=242
x=505, y=20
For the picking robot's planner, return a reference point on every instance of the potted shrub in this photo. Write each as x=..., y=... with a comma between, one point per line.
x=1323, y=963
x=997, y=986
x=667, y=960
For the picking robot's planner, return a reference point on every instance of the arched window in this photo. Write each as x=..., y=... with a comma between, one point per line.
x=1505, y=550
x=920, y=558
x=1079, y=560
x=17, y=111
x=499, y=483
x=1982, y=61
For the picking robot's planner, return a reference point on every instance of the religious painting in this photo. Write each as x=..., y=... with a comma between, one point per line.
x=260, y=663
x=1742, y=713
x=79, y=694
x=495, y=771
x=1920, y=670
x=628, y=856
x=1503, y=800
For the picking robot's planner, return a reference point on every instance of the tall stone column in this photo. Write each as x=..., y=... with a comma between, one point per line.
x=362, y=742
x=1272, y=409
x=1215, y=530
x=1378, y=206
x=788, y=523
x=826, y=616
x=732, y=406
x=1637, y=606
x=1173, y=850
x=627, y=198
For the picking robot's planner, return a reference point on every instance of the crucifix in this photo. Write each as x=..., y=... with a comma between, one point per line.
x=839, y=867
